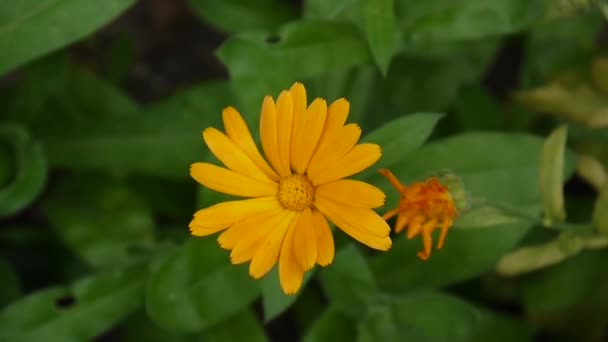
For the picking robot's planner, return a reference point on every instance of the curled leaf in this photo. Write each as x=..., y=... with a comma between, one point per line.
x=26, y=159
x=571, y=98
x=592, y=170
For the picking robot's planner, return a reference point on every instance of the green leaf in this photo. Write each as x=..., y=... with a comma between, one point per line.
x=10, y=286
x=260, y=64
x=338, y=9
x=474, y=250
x=467, y=19
x=498, y=328
x=500, y=167
x=145, y=142
x=560, y=44
x=355, y=84
x=573, y=279
x=196, y=287
x=26, y=162
x=43, y=80
x=503, y=168
x=234, y=16
x=165, y=197
x=349, y=267
x=274, y=300
x=240, y=327
x=420, y=317
x=99, y=219
x=331, y=326
x=600, y=211
x=552, y=175
x=32, y=28
x=400, y=137
x=484, y=216
x=477, y=110
x=139, y=327
x=379, y=27
x=424, y=80
x=80, y=312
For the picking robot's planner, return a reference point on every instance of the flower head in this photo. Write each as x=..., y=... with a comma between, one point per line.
x=309, y=150
x=423, y=207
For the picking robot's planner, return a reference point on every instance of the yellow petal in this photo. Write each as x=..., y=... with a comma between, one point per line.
x=356, y=160
x=298, y=93
x=268, y=252
x=251, y=242
x=230, y=182
x=231, y=155
x=325, y=239
x=269, y=134
x=225, y=214
x=284, y=127
x=304, y=241
x=197, y=230
x=337, y=113
x=364, y=225
x=290, y=271
x=308, y=134
x=237, y=131
x=334, y=146
x=243, y=227
x=352, y=192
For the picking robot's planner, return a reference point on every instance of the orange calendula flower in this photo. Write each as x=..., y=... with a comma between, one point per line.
x=423, y=207
x=310, y=150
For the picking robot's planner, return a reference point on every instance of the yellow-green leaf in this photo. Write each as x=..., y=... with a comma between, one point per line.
x=552, y=175
x=600, y=212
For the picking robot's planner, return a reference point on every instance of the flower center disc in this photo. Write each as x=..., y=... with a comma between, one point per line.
x=296, y=192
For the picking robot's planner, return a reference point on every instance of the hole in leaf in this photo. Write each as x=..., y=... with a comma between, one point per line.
x=65, y=302
x=273, y=39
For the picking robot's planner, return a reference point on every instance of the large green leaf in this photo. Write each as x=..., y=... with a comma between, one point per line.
x=24, y=169
x=30, y=28
x=144, y=142
x=350, y=267
x=379, y=27
x=421, y=80
x=560, y=44
x=573, y=279
x=466, y=254
x=241, y=327
x=260, y=64
x=196, y=287
x=499, y=328
x=331, y=326
x=355, y=84
x=476, y=110
x=244, y=15
x=421, y=317
x=439, y=20
x=99, y=219
x=502, y=168
x=274, y=300
x=400, y=137
x=466, y=19
x=80, y=312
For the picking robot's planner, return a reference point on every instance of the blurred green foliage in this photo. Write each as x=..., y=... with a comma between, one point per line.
x=511, y=96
